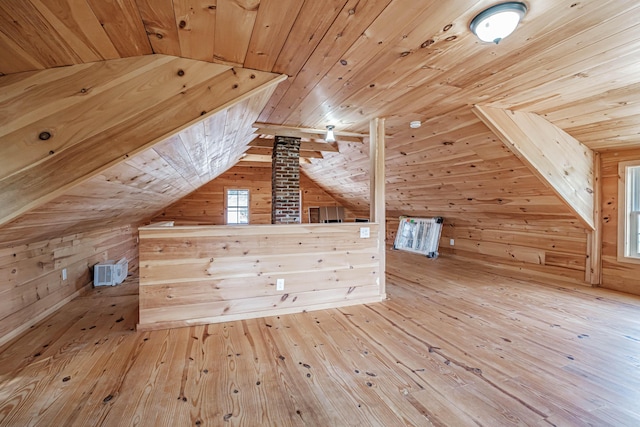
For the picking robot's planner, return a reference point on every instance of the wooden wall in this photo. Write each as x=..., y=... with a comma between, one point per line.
x=206, y=205
x=495, y=209
x=616, y=275
x=542, y=249
x=31, y=285
x=196, y=275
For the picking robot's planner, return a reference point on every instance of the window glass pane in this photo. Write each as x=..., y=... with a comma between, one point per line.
x=237, y=206
x=232, y=216
x=243, y=215
x=232, y=198
x=634, y=188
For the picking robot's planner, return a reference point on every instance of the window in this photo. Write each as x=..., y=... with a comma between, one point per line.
x=629, y=211
x=237, y=206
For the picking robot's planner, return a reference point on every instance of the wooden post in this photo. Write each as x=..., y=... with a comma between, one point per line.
x=593, y=271
x=376, y=189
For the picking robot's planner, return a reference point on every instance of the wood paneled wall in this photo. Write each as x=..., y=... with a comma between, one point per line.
x=315, y=196
x=345, y=175
x=206, y=205
x=616, y=275
x=495, y=209
x=196, y=275
x=539, y=248
x=31, y=284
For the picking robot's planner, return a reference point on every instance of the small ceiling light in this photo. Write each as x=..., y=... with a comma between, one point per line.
x=415, y=124
x=497, y=22
x=330, y=136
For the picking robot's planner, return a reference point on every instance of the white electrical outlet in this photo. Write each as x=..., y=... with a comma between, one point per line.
x=64, y=274
x=364, y=232
x=280, y=285
x=451, y=242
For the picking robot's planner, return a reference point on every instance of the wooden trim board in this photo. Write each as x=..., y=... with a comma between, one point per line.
x=377, y=188
x=622, y=208
x=560, y=161
x=593, y=270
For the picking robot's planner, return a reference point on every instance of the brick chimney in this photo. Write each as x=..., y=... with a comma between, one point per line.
x=285, y=181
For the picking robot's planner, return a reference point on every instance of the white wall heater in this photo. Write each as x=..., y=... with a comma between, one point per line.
x=419, y=235
x=110, y=273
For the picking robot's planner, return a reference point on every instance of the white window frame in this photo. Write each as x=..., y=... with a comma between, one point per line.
x=625, y=225
x=226, y=206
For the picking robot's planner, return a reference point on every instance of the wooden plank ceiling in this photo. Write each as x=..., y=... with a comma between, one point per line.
x=349, y=60
x=571, y=62
x=106, y=143
x=135, y=189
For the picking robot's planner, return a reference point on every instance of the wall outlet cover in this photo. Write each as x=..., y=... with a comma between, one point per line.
x=280, y=285
x=364, y=232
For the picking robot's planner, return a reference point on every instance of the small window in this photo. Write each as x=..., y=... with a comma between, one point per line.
x=237, y=206
x=629, y=211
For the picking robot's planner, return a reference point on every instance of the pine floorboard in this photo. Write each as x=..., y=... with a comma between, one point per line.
x=451, y=346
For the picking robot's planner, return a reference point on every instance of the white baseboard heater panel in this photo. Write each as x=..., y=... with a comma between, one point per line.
x=419, y=235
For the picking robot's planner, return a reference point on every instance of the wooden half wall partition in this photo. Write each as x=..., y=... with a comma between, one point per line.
x=207, y=274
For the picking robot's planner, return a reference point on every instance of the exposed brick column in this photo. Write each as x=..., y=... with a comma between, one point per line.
x=285, y=181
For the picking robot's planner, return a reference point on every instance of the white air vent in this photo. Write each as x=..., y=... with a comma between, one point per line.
x=419, y=235
x=110, y=273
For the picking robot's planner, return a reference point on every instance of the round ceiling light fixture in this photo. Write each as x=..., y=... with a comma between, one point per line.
x=415, y=124
x=497, y=22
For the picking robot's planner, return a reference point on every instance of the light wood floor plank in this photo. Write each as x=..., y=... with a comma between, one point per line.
x=451, y=346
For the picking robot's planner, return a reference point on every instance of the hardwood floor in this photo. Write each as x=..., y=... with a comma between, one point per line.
x=452, y=346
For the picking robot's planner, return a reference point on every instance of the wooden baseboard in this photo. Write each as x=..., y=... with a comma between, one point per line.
x=256, y=314
x=22, y=328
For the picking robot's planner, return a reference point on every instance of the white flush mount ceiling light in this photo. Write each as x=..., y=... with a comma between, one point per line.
x=330, y=136
x=497, y=22
x=415, y=124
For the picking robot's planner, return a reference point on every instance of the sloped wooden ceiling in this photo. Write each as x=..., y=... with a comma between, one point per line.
x=134, y=190
x=85, y=146
x=455, y=167
x=571, y=62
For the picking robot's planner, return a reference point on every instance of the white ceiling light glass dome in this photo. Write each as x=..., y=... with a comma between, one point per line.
x=498, y=21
